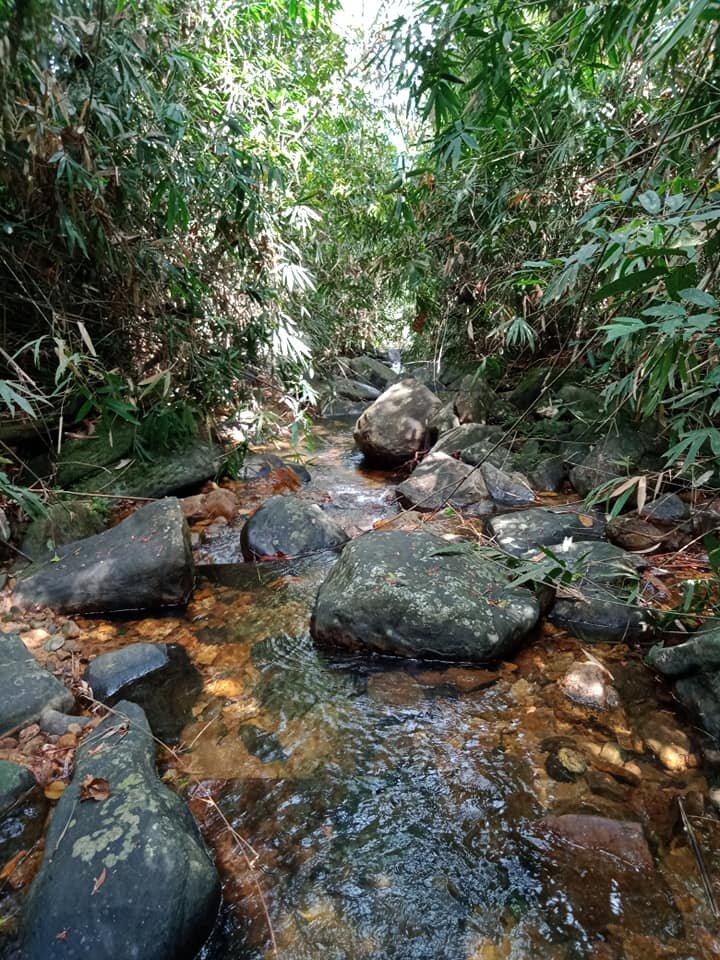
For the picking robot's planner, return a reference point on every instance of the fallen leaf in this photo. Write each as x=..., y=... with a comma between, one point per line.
x=62, y=935
x=94, y=788
x=9, y=867
x=99, y=881
x=54, y=790
x=585, y=520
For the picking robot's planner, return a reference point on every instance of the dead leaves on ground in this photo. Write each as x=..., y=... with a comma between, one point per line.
x=94, y=788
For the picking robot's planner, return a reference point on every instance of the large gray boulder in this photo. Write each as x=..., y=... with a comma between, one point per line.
x=394, y=428
x=127, y=876
x=373, y=371
x=145, y=562
x=417, y=595
x=288, y=527
x=522, y=533
x=26, y=688
x=441, y=481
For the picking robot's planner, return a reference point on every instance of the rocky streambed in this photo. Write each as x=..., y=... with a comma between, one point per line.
x=347, y=733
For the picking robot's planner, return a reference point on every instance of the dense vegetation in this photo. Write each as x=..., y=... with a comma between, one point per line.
x=197, y=199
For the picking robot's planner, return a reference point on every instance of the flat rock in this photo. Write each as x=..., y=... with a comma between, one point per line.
x=590, y=686
x=393, y=429
x=522, y=533
x=289, y=527
x=127, y=876
x=26, y=688
x=145, y=562
x=15, y=782
x=417, y=595
x=441, y=481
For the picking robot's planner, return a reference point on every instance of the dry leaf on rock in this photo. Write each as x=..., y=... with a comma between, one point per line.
x=94, y=788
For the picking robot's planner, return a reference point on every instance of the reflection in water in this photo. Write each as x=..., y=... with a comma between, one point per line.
x=385, y=810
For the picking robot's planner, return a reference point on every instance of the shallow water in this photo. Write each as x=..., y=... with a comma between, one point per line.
x=368, y=809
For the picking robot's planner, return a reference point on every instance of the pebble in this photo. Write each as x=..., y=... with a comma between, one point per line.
x=54, y=643
x=589, y=685
x=70, y=630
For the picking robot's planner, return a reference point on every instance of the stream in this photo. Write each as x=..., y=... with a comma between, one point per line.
x=376, y=809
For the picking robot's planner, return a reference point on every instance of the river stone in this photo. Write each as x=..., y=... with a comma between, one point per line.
x=373, y=371
x=700, y=652
x=589, y=685
x=145, y=562
x=15, y=782
x=601, y=616
x=522, y=533
x=63, y=523
x=393, y=429
x=441, y=481
x=596, y=561
x=700, y=695
x=465, y=435
x=289, y=527
x=353, y=389
x=507, y=489
x=126, y=877
x=111, y=673
x=442, y=422
x=667, y=509
x=26, y=688
x=417, y=595
x=159, y=677
x=58, y=724
x=617, y=455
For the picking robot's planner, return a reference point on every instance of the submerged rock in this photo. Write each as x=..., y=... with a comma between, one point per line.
x=441, y=481
x=394, y=428
x=589, y=685
x=257, y=466
x=145, y=562
x=26, y=688
x=522, y=533
x=289, y=527
x=110, y=674
x=127, y=876
x=416, y=595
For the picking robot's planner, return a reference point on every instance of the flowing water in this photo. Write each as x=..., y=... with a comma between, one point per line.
x=368, y=809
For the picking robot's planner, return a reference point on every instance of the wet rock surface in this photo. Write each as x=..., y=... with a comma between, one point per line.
x=143, y=562
x=127, y=876
x=26, y=688
x=15, y=782
x=415, y=595
x=64, y=523
x=285, y=526
x=394, y=428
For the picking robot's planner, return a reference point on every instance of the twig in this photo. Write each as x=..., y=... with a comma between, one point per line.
x=699, y=859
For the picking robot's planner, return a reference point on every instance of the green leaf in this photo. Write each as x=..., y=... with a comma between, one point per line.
x=650, y=202
x=699, y=297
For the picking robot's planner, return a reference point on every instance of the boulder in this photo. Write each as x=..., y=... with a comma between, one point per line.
x=145, y=562
x=508, y=489
x=522, y=533
x=373, y=371
x=467, y=435
x=476, y=401
x=288, y=527
x=595, y=561
x=354, y=389
x=106, y=462
x=63, y=523
x=159, y=677
x=442, y=421
x=126, y=876
x=417, y=595
x=15, y=782
x=617, y=455
x=667, y=509
x=394, y=428
x=26, y=688
x=441, y=481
